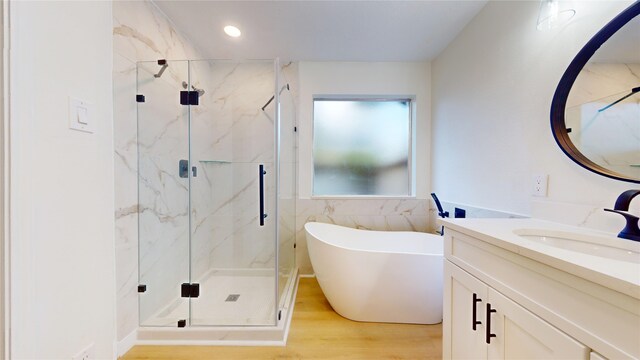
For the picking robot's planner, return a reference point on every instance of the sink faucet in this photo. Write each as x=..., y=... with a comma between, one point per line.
x=631, y=231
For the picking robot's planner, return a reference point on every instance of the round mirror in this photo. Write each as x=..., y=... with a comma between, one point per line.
x=595, y=113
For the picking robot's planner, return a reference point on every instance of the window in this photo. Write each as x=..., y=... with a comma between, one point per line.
x=362, y=147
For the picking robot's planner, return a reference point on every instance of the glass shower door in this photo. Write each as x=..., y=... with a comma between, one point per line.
x=286, y=185
x=233, y=247
x=163, y=193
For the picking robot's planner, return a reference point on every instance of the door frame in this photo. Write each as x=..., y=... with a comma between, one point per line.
x=4, y=185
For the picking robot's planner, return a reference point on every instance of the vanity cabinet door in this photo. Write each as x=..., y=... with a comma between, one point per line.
x=464, y=297
x=519, y=334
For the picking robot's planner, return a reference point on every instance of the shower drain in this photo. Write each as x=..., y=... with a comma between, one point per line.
x=233, y=297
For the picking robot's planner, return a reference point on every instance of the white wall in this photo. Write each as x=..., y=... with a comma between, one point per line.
x=62, y=249
x=492, y=91
x=358, y=78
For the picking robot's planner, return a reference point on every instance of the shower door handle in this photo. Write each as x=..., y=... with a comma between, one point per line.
x=262, y=215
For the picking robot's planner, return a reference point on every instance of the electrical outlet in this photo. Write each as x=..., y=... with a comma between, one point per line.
x=85, y=354
x=540, y=185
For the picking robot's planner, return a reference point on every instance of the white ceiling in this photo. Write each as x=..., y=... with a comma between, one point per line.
x=322, y=30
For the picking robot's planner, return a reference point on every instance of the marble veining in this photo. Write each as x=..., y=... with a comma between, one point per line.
x=230, y=137
x=141, y=33
x=368, y=214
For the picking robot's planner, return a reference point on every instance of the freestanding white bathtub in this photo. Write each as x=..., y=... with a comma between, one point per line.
x=379, y=276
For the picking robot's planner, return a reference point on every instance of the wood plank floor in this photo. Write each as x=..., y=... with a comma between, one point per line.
x=317, y=332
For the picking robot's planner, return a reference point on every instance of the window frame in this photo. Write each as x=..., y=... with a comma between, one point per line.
x=411, y=99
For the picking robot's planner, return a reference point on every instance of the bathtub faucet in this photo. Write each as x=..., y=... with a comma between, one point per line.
x=631, y=231
x=443, y=214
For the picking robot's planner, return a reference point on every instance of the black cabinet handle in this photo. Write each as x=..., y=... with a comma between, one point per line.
x=475, y=322
x=262, y=215
x=489, y=335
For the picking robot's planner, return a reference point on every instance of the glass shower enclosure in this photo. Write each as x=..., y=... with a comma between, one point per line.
x=216, y=192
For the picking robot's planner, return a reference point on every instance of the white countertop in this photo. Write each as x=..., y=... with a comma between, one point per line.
x=622, y=276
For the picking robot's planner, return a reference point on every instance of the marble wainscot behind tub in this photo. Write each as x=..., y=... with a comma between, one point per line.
x=369, y=214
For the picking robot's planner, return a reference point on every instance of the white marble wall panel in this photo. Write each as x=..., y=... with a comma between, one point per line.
x=228, y=126
x=230, y=137
x=126, y=195
x=369, y=214
x=243, y=243
x=163, y=129
x=470, y=212
x=203, y=127
x=288, y=176
x=140, y=33
x=590, y=216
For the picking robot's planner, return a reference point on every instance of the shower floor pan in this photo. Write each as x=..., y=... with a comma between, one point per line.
x=223, y=325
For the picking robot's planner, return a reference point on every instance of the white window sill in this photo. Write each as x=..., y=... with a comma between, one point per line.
x=363, y=197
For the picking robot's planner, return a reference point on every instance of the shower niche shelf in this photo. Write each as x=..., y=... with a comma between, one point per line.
x=215, y=162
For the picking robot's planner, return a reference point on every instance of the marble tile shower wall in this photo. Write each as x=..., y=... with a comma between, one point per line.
x=126, y=195
x=288, y=175
x=231, y=135
x=238, y=137
x=140, y=33
x=163, y=196
x=470, y=212
x=288, y=166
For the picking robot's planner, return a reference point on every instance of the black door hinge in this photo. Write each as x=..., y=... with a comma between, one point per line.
x=294, y=245
x=139, y=98
x=182, y=323
x=188, y=97
x=190, y=290
x=142, y=288
x=279, y=314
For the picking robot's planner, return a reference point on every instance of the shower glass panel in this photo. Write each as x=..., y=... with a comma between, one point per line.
x=163, y=195
x=216, y=184
x=286, y=184
x=233, y=256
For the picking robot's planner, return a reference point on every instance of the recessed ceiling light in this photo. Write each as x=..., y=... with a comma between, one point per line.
x=232, y=31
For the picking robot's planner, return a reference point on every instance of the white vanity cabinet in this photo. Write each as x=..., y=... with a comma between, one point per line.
x=485, y=324
x=500, y=304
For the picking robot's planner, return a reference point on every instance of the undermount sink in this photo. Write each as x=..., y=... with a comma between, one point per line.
x=610, y=248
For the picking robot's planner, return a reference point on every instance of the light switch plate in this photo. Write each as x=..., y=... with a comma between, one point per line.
x=540, y=182
x=80, y=115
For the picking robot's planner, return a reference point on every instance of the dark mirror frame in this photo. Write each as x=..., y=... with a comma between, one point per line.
x=558, y=105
